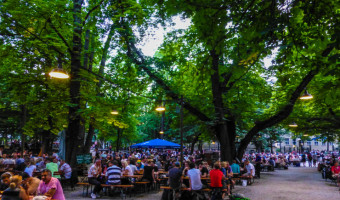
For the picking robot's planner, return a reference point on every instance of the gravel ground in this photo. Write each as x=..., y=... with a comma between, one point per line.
x=296, y=183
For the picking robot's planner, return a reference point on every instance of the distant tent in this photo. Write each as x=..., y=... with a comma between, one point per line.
x=156, y=143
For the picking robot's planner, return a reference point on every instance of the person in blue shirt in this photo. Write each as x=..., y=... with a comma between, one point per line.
x=139, y=165
x=235, y=167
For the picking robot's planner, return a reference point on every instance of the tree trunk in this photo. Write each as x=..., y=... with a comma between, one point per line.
x=46, y=142
x=88, y=140
x=73, y=139
x=192, y=149
x=271, y=147
x=22, y=124
x=231, y=125
x=221, y=129
x=118, y=139
x=86, y=48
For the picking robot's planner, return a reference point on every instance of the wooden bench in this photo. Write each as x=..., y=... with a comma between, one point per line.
x=121, y=187
x=194, y=192
x=145, y=183
x=85, y=185
x=187, y=189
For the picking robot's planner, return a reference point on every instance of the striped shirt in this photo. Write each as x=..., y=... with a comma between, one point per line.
x=67, y=170
x=113, y=174
x=93, y=171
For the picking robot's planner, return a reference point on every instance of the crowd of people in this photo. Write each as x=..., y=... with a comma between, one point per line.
x=25, y=176
x=109, y=167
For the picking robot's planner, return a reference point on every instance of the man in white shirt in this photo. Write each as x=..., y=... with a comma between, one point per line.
x=194, y=177
x=250, y=171
x=131, y=167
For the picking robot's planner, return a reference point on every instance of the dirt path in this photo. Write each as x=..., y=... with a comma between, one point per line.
x=296, y=183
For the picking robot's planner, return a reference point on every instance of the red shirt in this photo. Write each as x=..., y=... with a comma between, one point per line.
x=335, y=170
x=216, y=178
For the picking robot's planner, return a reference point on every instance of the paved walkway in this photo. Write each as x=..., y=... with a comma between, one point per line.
x=297, y=183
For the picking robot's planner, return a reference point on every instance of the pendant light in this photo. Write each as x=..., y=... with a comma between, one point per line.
x=59, y=72
x=306, y=96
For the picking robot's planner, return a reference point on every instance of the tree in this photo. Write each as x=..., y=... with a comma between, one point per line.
x=253, y=32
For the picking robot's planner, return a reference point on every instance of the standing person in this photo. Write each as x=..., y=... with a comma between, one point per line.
x=50, y=186
x=198, y=157
x=175, y=178
x=315, y=159
x=15, y=191
x=310, y=159
x=194, y=178
x=94, y=153
x=303, y=159
x=93, y=175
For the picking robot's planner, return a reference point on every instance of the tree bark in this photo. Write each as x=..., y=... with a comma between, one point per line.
x=194, y=141
x=88, y=140
x=221, y=129
x=23, y=120
x=73, y=138
x=118, y=139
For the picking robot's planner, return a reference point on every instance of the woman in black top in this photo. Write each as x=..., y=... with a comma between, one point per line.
x=149, y=172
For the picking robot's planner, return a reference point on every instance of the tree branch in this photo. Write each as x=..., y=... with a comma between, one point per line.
x=139, y=59
x=34, y=35
x=60, y=36
x=90, y=11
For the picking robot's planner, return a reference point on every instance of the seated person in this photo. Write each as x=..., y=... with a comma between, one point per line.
x=50, y=186
x=93, y=176
x=65, y=169
x=216, y=177
x=31, y=167
x=15, y=191
x=194, y=178
x=235, y=167
x=30, y=184
x=52, y=166
x=139, y=165
x=149, y=173
x=250, y=170
x=113, y=173
x=5, y=180
x=40, y=164
x=336, y=172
